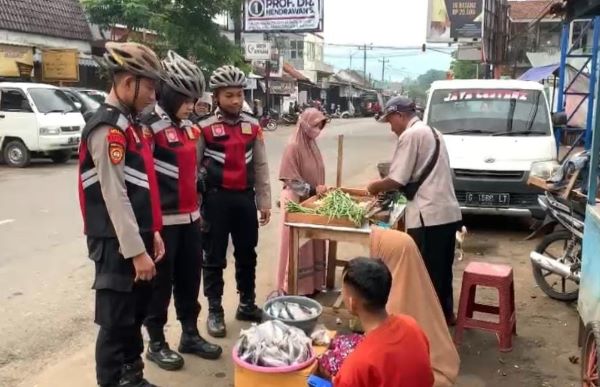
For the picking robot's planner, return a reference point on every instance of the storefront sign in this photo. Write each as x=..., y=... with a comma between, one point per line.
x=10, y=58
x=454, y=19
x=283, y=15
x=468, y=95
x=60, y=65
x=282, y=87
x=257, y=50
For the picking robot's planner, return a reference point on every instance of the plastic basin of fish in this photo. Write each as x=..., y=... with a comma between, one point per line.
x=273, y=370
x=307, y=325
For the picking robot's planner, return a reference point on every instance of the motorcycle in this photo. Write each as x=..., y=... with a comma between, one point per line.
x=289, y=119
x=557, y=258
x=269, y=121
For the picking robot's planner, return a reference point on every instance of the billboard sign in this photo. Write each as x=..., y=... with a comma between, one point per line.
x=283, y=15
x=454, y=20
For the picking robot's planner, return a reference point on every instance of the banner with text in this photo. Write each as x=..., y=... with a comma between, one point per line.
x=60, y=65
x=283, y=15
x=450, y=20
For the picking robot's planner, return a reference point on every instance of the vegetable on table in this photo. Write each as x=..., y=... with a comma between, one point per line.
x=335, y=204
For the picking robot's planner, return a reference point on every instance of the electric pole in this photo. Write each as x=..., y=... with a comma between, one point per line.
x=364, y=48
x=383, y=63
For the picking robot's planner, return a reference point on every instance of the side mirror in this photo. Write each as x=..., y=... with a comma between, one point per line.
x=559, y=119
x=26, y=107
x=78, y=105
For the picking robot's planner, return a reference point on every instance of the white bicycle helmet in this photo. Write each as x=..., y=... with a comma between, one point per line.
x=183, y=76
x=227, y=76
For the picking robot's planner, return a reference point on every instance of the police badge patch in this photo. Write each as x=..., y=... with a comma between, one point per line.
x=218, y=130
x=116, y=145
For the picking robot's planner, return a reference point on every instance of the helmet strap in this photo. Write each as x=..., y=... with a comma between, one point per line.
x=137, y=91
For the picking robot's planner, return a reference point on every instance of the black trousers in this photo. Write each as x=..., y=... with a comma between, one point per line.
x=121, y=306
x=437, y=244
x=228, y=213
x=178, y=273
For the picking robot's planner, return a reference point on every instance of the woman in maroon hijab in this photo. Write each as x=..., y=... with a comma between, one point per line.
x=302, y=173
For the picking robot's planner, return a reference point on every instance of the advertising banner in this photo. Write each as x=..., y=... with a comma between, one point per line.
x=283, y=15
x=450, y=20
x=10, y=58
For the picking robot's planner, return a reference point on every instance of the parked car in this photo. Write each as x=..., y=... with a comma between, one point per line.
x=37, y=120
x=97, y=95
x=496, y=131
x=86, y=104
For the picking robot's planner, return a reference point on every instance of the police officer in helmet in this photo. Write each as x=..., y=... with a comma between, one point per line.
x=120, y=205
x=175, y=137
x=234, y=162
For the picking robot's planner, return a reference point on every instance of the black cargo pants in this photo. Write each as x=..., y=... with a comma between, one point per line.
x=178, y=272
x=437, y=244
x=229, y=213
x=121, y=306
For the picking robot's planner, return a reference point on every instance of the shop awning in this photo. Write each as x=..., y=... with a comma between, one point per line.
x=537, y=74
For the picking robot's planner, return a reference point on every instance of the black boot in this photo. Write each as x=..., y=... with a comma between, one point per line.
x=164, y=357
x=132, y=375
x=192, y=342
x=248, y=312
x=215, y=324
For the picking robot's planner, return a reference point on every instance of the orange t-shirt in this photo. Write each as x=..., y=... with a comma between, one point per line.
x=396, y=354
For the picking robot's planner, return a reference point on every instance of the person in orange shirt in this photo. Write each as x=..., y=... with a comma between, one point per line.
x=395, y=350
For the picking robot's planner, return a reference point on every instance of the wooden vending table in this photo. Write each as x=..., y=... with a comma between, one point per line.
x=333, y=234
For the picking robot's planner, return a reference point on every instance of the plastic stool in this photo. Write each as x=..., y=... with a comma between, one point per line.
x=494, y=276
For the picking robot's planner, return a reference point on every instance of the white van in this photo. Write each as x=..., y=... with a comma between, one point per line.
x=497, y=133
x=37, y=120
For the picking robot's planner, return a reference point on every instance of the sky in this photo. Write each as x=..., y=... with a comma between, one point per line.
x=382, y=23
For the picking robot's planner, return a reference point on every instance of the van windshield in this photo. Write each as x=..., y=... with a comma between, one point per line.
x=488, y=112
x=51, y=101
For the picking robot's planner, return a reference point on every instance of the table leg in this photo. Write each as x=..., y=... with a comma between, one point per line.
x=331, y=264
x=293, y=261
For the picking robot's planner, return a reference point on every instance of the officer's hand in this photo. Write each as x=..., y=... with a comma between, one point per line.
x=265, y=217
x=144, y=267
x=159, y=248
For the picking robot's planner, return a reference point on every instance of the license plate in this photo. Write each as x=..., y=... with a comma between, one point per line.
x=73, y=141
x=483, y=199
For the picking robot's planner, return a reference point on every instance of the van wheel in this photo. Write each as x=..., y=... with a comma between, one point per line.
x=60, y=157
x=16, y=154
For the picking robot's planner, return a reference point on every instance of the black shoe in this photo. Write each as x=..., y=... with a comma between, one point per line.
x=141, y=383
x=195, y=344
x=249, y=312
x=164, y=357
x=132, y=375
x=215, y=324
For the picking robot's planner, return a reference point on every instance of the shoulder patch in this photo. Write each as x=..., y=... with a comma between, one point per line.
x=116, y=145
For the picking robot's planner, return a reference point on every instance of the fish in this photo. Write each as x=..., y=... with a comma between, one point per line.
x=273, y=344
x=291, y=311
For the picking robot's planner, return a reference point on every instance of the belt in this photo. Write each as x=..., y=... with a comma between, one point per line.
x=170, y=220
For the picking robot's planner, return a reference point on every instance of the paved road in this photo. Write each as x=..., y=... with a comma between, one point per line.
x=46, y=329
x=45, y=275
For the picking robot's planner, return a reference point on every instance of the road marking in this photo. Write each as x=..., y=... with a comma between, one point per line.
x=6, y=221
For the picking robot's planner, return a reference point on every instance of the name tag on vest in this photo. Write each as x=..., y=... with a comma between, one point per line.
x=171, y=135
x=246, y=128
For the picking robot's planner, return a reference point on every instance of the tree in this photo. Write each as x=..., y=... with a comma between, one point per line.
x=417, y=88
x=185, y=26
x=464, y=69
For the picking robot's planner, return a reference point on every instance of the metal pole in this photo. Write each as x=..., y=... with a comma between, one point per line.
x=267, y=109
x=564, y=48
x=365, y=63
x=593, y=85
